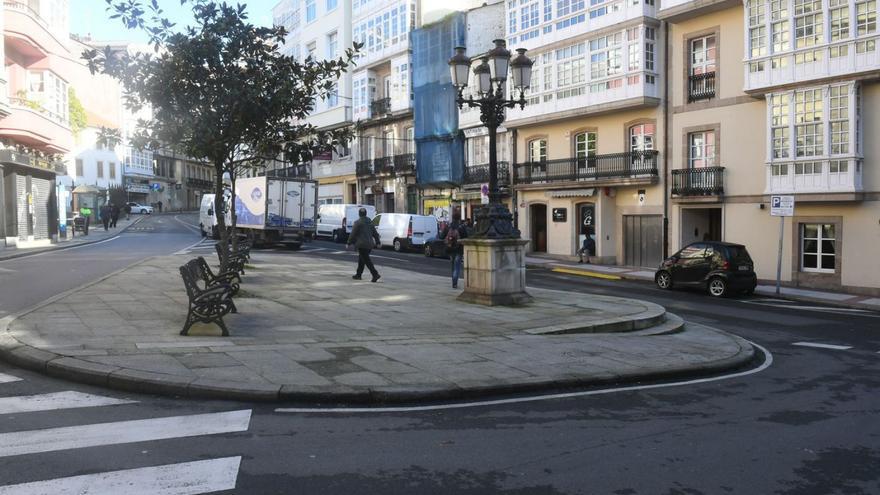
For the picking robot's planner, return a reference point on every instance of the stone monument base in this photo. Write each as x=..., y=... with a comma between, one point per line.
x=495, y=272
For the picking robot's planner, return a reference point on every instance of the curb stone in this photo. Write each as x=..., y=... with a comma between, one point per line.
x=62, y=247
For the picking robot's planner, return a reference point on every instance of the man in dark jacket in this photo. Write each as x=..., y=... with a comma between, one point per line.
x=453, y=234
x=365, y=238
x=114, y=215
x=105, y=215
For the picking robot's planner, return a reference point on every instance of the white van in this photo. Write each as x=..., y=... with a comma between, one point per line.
x=207, y=219
x=335, y=220
x=404, y=230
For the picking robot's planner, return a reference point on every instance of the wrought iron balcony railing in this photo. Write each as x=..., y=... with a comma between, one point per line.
x=705, y=181
x=611, y=166
x=364, y=168
x=405, y=164
x=380, y=107
x=479, y=174
x=199, y=183
x=701, y=86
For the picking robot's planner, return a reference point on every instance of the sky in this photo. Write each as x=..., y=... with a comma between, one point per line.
x=90, y=17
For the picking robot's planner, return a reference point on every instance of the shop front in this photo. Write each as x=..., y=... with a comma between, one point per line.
x=28, y=199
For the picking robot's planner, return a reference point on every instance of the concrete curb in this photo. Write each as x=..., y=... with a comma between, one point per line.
x=61, y=247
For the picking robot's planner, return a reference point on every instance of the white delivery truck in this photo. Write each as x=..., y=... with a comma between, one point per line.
x=276, y=209
x=207, y=219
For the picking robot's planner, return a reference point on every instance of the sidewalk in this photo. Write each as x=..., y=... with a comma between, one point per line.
x=96, y=234
x=608, y=272
x=306, y=332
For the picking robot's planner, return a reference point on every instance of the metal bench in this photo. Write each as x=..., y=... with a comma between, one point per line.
x=205, y=305
x=212, y=280
x=81, y=224
x=236, y=260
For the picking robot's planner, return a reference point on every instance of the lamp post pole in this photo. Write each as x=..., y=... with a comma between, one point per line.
x=494, y=221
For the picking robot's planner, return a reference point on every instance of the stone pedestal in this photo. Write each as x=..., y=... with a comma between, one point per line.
x=495, y=272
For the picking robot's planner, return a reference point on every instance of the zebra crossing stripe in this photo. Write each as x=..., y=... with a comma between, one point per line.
x=186, y=478
x=8, y=378
x=119, y=432
x=54, y=401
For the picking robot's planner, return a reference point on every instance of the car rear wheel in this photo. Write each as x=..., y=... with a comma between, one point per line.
x=663, y=280
x=717, y=287
x=337, y=237
x=202, y=230
x=398, y=246
x=429, y=252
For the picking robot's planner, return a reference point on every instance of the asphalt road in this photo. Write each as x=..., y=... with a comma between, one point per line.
x=805, y=425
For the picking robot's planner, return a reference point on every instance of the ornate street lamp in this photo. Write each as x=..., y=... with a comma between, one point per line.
x=494, y=221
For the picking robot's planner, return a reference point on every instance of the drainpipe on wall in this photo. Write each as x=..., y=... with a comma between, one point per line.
x=667, y=132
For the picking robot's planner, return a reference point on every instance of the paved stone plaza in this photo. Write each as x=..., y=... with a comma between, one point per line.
x=306, y=331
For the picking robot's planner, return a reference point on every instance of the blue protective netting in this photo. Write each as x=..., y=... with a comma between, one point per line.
x=439, y=143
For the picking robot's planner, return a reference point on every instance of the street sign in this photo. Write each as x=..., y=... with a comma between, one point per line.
x=560, y=214
x=782, y=206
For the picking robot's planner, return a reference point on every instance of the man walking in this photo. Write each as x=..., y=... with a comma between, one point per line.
x=105, y=216
x=114, y=215
x=365, y=238
x=452, y=234
x=127, y=211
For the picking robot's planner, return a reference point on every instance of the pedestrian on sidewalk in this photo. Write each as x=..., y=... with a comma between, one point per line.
x=365, y=238
x=452, y=234
x=114, y=215
x=160, y=206
x=127, y=211
x=105, y=213
x=588, y=248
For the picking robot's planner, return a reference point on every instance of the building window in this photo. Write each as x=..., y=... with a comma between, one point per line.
x=311, y=10
x=866, y=17
x=409, y=132
x=331, y=4
x=311, y=48
x=778, y=9
x=100, y=170
x=780, y=36
x=332, y=45
x=703, y=55
x=817, y=247
x=779, y=125
x=701, y=149
x=807, y=30
x=605, y=56
x=641, y=137
x=570, y=66
x=838, y=109
x=112, y=171
x=538, y=150
x=584, y=148
x=79, y=167
x=839, y=21
x=808, y=122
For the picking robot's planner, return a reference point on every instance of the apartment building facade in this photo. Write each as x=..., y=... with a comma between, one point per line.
x=34, y=119
x=587, y=145
x=770, y=98
x=322, y=30
x=384, y=144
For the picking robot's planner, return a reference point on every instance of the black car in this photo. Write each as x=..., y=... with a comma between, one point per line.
x=720, y=267
x=435, y=247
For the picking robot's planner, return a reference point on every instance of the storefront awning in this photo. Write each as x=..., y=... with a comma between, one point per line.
x=571, y=193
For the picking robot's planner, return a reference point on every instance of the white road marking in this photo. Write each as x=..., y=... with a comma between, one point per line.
x=171, y=345
x=186, y=478
x=75, y=437
x=343, y=252
x=8, y=378
x=191, y=246
x=187, y=224
x=823, y=346
x=860, y=312
x=388, y=258
x=461, y=405
x=55, y=401
x=65, y=249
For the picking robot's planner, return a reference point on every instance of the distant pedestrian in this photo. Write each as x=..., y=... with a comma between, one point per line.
x=365, y=238
x=105, y=213
x=160, y=206
x=453, y=234
x=588, y=248
x=127, y=211
x=114, y=215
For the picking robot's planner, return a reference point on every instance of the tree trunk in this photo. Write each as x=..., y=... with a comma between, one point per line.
x=220, y=216
x=232, y=213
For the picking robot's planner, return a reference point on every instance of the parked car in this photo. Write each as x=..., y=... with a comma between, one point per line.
x=721, y=268
x=335, y=220
x=435, y=247
x=140, y=209
x=404, y=230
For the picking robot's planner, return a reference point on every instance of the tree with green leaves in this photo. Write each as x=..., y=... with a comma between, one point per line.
x=78, y=119
x=221, y=90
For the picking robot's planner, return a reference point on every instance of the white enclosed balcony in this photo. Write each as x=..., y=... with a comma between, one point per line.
x=554, y=23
